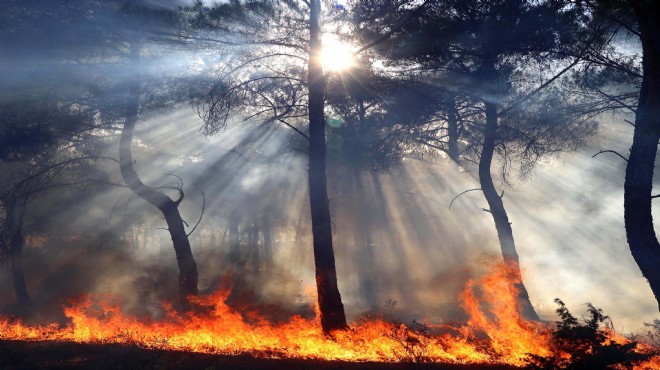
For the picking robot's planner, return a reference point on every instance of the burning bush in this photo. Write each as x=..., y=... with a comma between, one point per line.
x=591, y=344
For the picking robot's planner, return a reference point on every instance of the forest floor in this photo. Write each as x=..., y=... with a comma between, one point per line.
x=22, y=355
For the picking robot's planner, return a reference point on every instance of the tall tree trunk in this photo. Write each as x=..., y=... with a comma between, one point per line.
x=497, y=210
x=168, y=207
x=638, y=185
x=329, y=299
x=16, y=241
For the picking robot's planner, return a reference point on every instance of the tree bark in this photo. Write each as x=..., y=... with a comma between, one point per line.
x=497, y=210
x=168, y=207
x=329, y=299
x=638, y=185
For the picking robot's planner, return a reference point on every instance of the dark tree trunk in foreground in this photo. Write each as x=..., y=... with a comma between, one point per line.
x=497, y=210
x=16, y=241
x=168, y=207
x=638, y=185
x=329, y=299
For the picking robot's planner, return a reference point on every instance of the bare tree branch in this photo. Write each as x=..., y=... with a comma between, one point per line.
x=201, y=214
x=610, y=151
x=456, y=197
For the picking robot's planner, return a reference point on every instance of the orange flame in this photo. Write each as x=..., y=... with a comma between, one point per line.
x=497, y=336
x=511, y=336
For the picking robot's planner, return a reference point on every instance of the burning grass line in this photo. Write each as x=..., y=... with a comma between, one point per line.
x=495, y=333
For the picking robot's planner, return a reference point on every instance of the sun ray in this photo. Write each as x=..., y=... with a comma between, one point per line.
x=336, y=56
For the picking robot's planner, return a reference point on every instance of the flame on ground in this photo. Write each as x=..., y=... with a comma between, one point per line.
x=495, y=333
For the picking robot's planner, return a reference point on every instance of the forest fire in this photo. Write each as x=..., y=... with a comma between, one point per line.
x=147, y=147
x=496, y=335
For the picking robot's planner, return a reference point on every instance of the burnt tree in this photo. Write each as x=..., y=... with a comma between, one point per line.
x=494, y=200
x=275, y=76
x=483, y=108
x=168, y=207
x=638, y=183
x=329, y=299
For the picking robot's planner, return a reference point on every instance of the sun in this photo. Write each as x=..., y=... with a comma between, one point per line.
x=335, y=55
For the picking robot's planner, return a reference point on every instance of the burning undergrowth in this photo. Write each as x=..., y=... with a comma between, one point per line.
x=494, y=334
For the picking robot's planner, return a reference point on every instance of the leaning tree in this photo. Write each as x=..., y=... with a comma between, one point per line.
x=114, y=84
x=477, y=50
x=145, y=30
x=637, y=19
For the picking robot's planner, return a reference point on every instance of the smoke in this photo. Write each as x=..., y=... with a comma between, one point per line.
x=400, y=250
x=569, y=226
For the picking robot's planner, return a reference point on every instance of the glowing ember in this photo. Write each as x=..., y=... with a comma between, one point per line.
x=495, y=332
